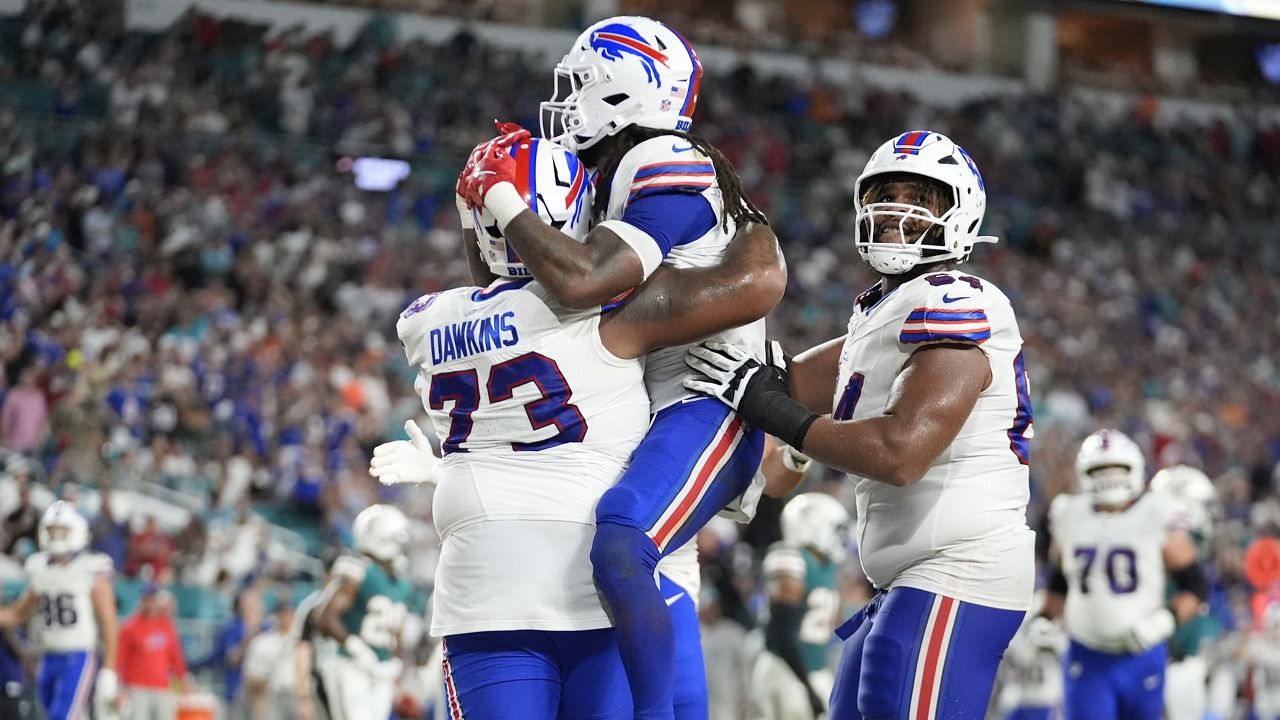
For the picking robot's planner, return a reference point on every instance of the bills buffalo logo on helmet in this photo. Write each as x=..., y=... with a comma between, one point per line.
x=613, y=41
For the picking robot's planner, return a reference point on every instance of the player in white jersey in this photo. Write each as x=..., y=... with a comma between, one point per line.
x=70, y=598
x=540, y=408
x=624, y=101
x=1115, y=545
x=1262, y=651
x=931, y=414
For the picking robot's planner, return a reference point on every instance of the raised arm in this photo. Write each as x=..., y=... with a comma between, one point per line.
x=675, y=307
x=578, y=275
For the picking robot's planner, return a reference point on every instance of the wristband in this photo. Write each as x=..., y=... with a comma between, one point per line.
x=464, y=212
x=504, y=203
x=795, y=461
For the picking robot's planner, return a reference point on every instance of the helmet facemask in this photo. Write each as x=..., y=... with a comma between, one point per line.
x=925, y=236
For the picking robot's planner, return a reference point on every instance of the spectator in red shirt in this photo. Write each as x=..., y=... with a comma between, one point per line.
x=150, y=658
x=150, y=548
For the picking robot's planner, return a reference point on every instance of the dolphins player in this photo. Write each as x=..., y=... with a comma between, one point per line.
x=624, y=101
x=364, y=611
x=791, y=680
x=539, y=407
x=1116, y=544
x=1185, y=691
x=71, y=599
x=931, y=413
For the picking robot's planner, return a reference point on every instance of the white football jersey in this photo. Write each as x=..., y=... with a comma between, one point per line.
x=960, y=530
x=1262, y=650
x=537, y=420
x=660, y=164
x=64, y=619
x=1114, y=563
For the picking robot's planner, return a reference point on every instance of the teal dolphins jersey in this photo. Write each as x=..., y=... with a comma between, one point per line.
x=377, y=614
x=821, y=601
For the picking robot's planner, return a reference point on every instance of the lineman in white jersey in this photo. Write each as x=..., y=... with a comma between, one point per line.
x=539, y=408
x=931, y=414
x=1115, y=544
x=624, y=100
x=70, y=597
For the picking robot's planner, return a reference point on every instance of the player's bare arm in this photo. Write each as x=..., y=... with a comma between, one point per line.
x=813, y=375
x=930, y=400
x=578, y=275
x=677, y=306
x=783, y=471
x=103, y=597
x=19, y=612
x=1180, y=563
x=329, y=613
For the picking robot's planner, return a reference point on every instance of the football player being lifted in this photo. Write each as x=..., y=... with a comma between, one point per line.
x=624, y=101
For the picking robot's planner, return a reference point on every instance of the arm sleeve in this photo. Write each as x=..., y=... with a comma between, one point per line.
x=654, y=223
x=782, y=638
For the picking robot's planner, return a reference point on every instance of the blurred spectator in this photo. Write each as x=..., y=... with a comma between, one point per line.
x=150, y=549
x=269, y=669
x=231, y=644
x=24, y=521
x=724, y=651
x=110, y=535
x=150, y=658
x=24, y=417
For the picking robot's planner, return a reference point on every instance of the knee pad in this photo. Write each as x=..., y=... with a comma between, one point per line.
x=884, y=676
x=621, y=554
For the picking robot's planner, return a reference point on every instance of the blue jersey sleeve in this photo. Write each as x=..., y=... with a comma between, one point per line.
x=671, y=218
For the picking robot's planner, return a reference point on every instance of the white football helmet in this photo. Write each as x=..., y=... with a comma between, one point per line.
x=930, y=155
x=816, y=520
x=622, y=71
x=555, y=184
x=75, y=529
x=1111, y=468
x=1196, y=493
x=381, y=532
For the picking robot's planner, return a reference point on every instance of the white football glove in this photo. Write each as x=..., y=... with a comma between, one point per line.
x=1150, y=631
x=389, y=669
x=406, y=461
x=727, y=369
x=1044, y=634
x=361, y=654
x=464, y=212
x=107, y=688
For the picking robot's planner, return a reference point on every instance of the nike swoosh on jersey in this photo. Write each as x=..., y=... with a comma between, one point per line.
x=948, y=299
x=678, y=149
x=674, y=599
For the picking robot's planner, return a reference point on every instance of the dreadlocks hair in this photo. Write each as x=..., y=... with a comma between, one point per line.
x=737, y=206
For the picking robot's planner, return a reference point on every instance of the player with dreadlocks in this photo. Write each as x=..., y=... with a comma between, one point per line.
x=624, y=99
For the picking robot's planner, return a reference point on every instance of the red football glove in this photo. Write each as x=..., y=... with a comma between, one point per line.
x=506, y=128
x=494, y=165
x=472, y=160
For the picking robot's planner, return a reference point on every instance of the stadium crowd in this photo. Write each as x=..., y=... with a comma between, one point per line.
x=194, y=297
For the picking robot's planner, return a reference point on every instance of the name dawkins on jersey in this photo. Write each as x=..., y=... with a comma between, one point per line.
x=472, y=337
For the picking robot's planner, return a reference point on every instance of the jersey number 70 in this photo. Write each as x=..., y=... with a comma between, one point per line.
x=462, y=388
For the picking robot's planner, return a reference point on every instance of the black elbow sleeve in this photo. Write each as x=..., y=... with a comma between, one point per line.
x=1191, y=579
x=1057, y=581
